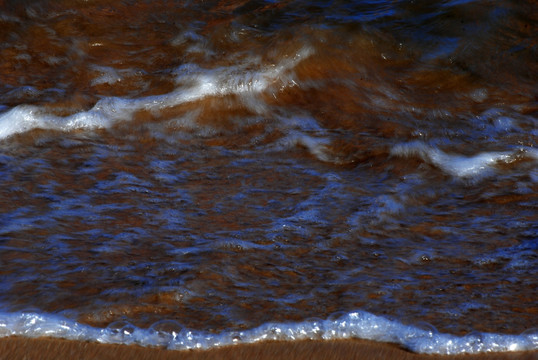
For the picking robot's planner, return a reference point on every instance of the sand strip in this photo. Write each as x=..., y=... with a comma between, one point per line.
x=14, y=348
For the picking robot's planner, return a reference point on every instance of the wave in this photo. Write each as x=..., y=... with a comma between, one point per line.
x=358, y=324
x=194, y=84
x=460, y=166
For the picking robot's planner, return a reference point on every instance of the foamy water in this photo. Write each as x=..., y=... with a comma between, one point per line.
x=200, y=175
x=360, y=325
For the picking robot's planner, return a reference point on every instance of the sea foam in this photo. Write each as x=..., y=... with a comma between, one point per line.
x=194, y=83
x=354, y=325
x=24, y=118
x=461, y=166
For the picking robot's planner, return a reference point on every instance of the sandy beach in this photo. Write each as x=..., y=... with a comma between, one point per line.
x=13, y=348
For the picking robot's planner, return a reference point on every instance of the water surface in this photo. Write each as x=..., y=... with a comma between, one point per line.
x=240, y=169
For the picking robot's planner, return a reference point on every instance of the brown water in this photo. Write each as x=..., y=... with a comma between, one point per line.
x=228, y=164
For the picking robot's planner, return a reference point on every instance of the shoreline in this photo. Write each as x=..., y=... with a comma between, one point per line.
x=16, y=347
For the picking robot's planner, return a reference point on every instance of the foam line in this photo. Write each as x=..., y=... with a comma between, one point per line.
x=358, y=324
x=458, y=165
x=194, y=83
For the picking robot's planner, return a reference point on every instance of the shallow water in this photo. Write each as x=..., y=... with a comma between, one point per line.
x=223, y=166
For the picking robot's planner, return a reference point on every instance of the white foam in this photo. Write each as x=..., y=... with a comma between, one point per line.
x=24, y=118
x=458, y=165
x=194, y=83
x=107, y=75
x=317, y=146
x=19, y=119
x=239, y=79
x=360, y=324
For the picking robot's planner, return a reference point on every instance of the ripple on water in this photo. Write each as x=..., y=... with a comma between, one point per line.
x=269, y=171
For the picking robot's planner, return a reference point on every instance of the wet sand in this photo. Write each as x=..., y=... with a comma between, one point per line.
x=47, y=348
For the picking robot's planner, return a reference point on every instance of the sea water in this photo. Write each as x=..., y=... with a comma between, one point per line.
x=197, y=174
